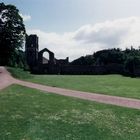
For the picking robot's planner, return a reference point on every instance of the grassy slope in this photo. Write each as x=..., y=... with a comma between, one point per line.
x=28, y=114
x=105, y=84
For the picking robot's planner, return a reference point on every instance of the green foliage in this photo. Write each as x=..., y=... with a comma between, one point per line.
x=105, y=57
x=132, y=61
x=115, y=85
x=12, y=33
x=125, y=62
x=28, y=114
x=18, y=60
x=87, y=60
x=20, y=73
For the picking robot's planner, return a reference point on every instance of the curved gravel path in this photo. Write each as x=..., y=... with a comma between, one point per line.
x=6, y=79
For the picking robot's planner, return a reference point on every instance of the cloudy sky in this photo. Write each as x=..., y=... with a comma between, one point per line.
x=79, y=27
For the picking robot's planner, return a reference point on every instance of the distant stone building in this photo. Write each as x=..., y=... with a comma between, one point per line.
x=38, y=63
x=31, y=50
x=41, y=65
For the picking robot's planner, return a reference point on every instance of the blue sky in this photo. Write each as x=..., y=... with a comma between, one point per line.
x=68, y=15
x=79, y=27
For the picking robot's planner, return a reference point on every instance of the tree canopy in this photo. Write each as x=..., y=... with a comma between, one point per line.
x=129, y=59
x=12, y=33
x=87, y=60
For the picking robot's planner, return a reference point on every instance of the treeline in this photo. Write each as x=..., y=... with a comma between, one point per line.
x=127, y=60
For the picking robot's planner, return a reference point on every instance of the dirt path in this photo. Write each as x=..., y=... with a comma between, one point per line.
x=6, y=79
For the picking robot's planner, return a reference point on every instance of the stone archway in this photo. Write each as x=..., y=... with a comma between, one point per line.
x=51, y=56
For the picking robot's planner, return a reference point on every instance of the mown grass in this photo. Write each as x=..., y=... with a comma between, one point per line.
x=19, y=73
x=28, y=114
x=116, y=85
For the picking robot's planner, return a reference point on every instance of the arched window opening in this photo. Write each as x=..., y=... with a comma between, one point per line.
x=45, y=59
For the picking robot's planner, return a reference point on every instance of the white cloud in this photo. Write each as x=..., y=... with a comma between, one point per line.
x=25, y=17
x=111, y=33
x=120, y=33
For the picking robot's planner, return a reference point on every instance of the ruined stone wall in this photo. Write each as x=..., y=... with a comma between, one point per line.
x=79, y=70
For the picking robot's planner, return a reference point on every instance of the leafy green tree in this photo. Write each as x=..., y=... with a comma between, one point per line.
x=109, y=56
x=12, y=33
x=84, y=60
x=132, y=60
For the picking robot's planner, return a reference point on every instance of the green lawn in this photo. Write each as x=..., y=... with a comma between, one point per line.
x=116, y=85
x=28, y=114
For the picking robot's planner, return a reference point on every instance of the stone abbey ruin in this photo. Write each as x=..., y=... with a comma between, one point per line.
x=41, y=65
x=38, y=63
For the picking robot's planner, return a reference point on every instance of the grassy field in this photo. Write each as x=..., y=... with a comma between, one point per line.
x=116, y=85
x=28, y=114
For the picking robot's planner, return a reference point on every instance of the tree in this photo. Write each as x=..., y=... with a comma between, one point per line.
x=84, y=60
x=132, y=61
x=109, y=56
x=12, y=33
